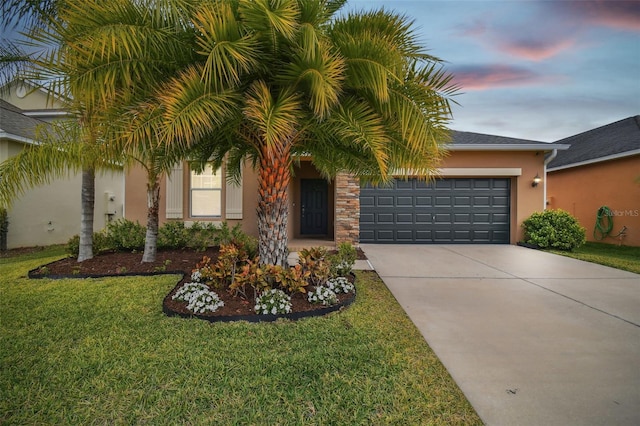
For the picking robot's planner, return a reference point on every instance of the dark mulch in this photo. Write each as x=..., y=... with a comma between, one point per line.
x=168, y=261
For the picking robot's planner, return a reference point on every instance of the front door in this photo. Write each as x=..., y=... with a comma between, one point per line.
x=313, y=207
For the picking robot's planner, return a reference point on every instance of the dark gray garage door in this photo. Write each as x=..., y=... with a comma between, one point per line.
x=443, y=211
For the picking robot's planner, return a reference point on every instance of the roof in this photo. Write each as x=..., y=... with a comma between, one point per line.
x=468, y=141
x=14, y=124
x=615, y=140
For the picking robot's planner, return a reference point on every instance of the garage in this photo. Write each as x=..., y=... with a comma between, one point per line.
x=452, y=210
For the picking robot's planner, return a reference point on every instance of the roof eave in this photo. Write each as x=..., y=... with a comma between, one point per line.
x=596, y=160
x=507, y=147
x=16, y=138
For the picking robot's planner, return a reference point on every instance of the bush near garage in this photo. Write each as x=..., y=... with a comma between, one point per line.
x=554, y=229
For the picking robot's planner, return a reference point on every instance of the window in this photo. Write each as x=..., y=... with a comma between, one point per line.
x=206, y=193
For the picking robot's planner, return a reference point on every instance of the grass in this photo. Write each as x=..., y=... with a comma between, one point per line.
x=620, y=257
x=100, y=351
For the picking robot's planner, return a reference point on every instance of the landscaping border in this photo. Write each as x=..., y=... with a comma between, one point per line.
x=259, y=318
x=34, y=274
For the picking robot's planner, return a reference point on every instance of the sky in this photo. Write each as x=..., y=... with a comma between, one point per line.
x=530, y=69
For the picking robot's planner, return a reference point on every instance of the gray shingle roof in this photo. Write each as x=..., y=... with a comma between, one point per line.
x=610, y=140
x=14, y=122
x=478, y=141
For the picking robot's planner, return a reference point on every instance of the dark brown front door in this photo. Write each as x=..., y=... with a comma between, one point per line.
x=313, y=207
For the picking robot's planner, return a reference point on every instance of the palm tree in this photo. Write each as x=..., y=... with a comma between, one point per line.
x=110, y=63
x=276, y=79
x=62, y=148
x=48, y=65
x=126, y=51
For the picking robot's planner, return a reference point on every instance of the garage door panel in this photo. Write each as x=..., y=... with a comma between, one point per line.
x=500, y=201
x=462, y=218
x=423, y=200
x=498, y=218
x=444, y=211
x=385, y=200
x=404, y=218
x=479, y=218
x=385, y=218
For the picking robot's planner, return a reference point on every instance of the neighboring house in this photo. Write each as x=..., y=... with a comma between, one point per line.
x=602, y=168
x=482, y=195
x=49, y=214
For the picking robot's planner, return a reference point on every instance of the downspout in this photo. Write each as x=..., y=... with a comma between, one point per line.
x=547, y=160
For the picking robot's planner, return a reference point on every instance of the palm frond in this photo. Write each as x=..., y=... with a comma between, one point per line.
x=193, y=109
x=271, y=19
x=229, y=53
x=274, y=119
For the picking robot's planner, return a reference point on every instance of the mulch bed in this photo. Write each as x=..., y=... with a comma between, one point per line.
x=181, y=262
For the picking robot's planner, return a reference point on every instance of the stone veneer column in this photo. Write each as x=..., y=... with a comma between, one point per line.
x=347, y=215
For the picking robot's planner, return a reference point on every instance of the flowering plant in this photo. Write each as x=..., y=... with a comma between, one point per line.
x=323, y=295
x=339, y=285
x=199, y=298
x=273, y=302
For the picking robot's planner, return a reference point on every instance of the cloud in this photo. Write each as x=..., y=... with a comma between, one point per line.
x=536, y=49
x=486, y=77
x=620, y=15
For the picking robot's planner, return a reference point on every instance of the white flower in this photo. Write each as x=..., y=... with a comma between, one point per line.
x=322, y=295
x=340, y=285
x=273, y=301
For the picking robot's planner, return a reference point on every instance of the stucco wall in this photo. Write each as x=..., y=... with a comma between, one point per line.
x=31, y=99
x=136, y=199
x=583, y=190
x=525, y=199
x=50, y=214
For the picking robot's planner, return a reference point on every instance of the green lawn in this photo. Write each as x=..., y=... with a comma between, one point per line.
x=101, y=352
x=620, y=257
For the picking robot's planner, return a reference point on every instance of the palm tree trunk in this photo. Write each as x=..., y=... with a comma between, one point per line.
x=153, y=207
x=274, y=175
x=88, y=195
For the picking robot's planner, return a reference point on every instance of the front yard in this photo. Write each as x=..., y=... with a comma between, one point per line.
x=100, y=351
x=620, y=257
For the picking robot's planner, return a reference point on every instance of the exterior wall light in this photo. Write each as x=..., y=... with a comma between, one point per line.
x=536, y=181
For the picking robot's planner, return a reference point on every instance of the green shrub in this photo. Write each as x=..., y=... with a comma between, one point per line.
x=315, y=265
x=101, y=244
x=238, y=237
x=343, y=260
x=554, y=229
x=173, y=235
x=125, y=235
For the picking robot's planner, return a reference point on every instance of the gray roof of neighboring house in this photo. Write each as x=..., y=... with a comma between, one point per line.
x=480, y=142
x=615, y=140
x=13, y=122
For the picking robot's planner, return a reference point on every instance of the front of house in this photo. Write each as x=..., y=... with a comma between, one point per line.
x=48, y=214
x=482, y=194
x=601, y=169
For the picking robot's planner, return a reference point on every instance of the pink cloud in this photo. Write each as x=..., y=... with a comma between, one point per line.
x=472, y=78
x=536, y=50
x=622, y=15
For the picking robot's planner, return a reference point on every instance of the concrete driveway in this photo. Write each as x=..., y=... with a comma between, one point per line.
x=530, y=337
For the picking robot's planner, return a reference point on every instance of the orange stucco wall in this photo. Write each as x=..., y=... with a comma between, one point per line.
x=525, y=199
x=136, y=199
x=583, y=190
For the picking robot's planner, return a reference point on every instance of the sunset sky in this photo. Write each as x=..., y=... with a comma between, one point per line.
x=540, y=70
x=532, y=69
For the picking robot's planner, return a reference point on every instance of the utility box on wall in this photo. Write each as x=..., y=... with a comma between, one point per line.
x=110, y=208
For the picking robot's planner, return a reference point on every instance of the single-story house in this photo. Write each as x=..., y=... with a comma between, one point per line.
x=602, y=168
x=48, y=214
x=485, y=189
